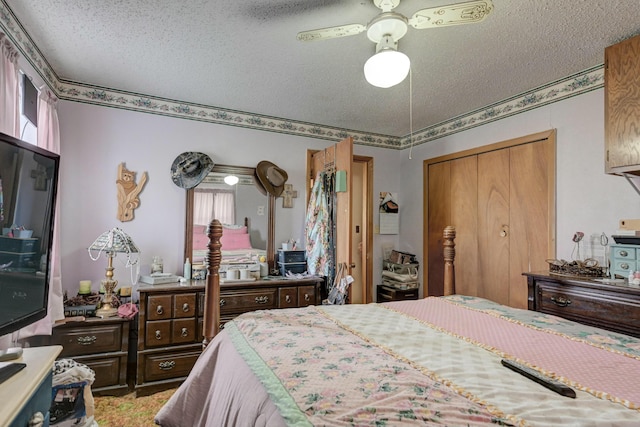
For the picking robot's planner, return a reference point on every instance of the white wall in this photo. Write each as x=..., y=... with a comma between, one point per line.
x=94, y=140
x=588, y=200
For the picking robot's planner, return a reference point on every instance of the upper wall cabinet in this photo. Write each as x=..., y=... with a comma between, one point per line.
x=622, y=107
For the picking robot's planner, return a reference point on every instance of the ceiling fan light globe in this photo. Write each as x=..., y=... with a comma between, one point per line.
x=231, y=179
x=387, y=68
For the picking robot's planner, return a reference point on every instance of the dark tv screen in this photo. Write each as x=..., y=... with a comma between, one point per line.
x=29, y=180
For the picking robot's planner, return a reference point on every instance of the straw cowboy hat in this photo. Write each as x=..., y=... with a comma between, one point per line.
x=270, y=179
x=190, y=168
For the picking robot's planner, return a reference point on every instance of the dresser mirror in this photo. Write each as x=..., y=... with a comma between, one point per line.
x=238, y=205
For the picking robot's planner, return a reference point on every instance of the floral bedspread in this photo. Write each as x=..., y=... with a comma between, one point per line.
x=380, y=365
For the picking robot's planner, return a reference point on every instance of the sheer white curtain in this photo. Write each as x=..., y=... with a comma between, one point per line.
x=210, y=204
x=9, y=88
x=49, y=139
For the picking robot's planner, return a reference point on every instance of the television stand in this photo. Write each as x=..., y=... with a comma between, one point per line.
x=29, y=391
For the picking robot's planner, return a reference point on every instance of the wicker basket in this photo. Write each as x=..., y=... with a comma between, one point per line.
x=587, y=268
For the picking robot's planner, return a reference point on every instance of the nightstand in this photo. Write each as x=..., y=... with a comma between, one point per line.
x=102, y=345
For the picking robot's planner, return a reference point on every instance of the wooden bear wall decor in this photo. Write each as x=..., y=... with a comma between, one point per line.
x=128, y=192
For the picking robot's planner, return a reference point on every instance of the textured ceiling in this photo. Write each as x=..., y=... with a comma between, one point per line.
x=243, y=55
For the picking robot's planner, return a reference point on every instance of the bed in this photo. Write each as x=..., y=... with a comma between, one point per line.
x=435, y=361
x=235, y=240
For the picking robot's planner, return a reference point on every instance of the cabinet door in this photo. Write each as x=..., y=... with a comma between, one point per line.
x=622, y=106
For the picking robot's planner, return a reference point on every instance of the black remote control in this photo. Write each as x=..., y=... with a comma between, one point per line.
x=10, y=370
x=536, y=376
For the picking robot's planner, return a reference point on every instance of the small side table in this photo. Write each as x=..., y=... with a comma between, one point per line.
x=102, y=345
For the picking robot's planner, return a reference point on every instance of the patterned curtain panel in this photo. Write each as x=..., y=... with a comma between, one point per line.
x=9, y=88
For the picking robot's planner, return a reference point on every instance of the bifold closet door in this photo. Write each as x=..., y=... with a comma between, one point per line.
x=493, y=226
x=439, y=216
x=464, y=215
x=531, y=214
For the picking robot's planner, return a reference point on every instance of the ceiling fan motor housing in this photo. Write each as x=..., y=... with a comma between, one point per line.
x=387, y=24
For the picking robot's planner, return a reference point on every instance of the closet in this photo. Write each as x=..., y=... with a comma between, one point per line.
x=501, y=200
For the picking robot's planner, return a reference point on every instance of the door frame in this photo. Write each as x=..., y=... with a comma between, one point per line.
x=367, y=250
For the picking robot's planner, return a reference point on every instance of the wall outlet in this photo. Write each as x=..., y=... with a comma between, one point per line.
x=260, y=210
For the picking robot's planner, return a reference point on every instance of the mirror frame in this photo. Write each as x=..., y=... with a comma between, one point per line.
x=188, y=228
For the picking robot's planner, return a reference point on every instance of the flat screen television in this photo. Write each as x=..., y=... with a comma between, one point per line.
x=29, y=180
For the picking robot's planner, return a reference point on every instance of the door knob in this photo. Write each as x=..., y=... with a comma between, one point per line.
x=353, y=265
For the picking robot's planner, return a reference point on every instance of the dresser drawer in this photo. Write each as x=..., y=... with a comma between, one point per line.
x=306, y=296
x=166, y=365
x=82, y=340
x=183, y=331
x=159, y=307
x=606, y=310
x=158, y=333
x=109, y=370
x=248, y=300
x=287, y=297
x=184, y=305
x=624, y=253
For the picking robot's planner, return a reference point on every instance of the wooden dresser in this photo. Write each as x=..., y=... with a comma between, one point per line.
x=170, y=322
x=615, y=307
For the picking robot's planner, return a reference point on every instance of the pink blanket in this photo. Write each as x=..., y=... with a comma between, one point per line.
x=618, y=375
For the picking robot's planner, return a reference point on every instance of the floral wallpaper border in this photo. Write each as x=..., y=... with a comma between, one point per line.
x=567, y=87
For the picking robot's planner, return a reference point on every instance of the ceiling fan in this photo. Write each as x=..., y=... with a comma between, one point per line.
x=386, y=28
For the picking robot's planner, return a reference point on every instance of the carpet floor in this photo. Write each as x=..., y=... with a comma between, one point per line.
x=129, y=411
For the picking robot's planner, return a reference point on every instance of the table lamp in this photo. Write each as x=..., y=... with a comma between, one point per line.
x=111, y=243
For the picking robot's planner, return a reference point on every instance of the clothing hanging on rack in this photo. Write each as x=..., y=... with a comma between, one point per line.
x=320, y=227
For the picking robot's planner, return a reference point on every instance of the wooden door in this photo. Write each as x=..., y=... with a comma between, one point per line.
x=340, y=157
x=493, y=226
x=501, y=199
x=439, y=216
x=464, y=213
x=531, y=214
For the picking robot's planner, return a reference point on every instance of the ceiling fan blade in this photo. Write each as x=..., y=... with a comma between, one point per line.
x=331, y=32
x=453, y=14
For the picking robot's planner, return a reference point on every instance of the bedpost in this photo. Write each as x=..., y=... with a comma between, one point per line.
x=212, y=289
x=449, y=255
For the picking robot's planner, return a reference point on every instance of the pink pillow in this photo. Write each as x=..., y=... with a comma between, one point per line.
x=199, y=229
x=234, y=230
x=231, y=242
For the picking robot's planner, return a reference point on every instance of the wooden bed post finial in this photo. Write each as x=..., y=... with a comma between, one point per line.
x=449, y=255
x=212, y=290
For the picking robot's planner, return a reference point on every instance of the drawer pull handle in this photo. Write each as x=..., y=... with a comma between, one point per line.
x=307, y=297
x=184, y=332
x=222, y=302
x=624, y=253
x=287, y=298
x=88, y=340
x=185, y=307
x=160, y=309
x=262, y=299
x=158, y=335
x=167, y=366
x=624, y=266
x=560, y=301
